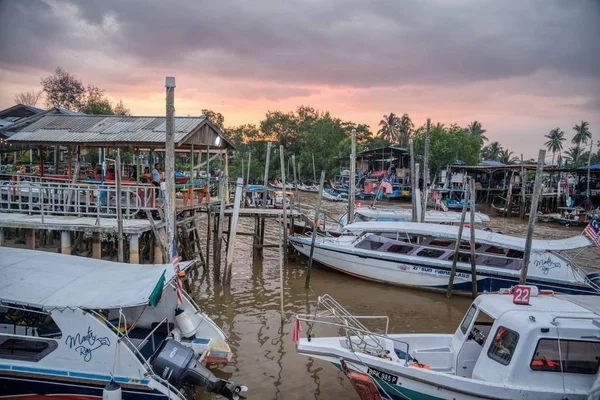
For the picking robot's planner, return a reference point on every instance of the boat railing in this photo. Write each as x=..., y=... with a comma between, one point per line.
x=579, y=272
x=150, y=335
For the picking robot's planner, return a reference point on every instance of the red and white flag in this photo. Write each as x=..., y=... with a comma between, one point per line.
x=593, y=231
x=175, y=261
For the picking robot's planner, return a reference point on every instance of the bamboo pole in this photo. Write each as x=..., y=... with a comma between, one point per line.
x=314, y=233
x=314, y=170
x=281, y=256
x=266, y=177
x=120, y=256
x=458, y=240
x=219, y=239
x=537, y=189
x=412, y=180
x=352, y=193
x=523, y=190
x=233, y=229
x=248, y=176
x=425, y=172
x=472, y=241
x=283, y=204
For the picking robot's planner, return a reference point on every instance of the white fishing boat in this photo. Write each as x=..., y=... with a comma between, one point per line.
x=308, y=188
x=520, y=344
x=420, y=256
x=330, y=195
x=364, y=214
x=81, y=327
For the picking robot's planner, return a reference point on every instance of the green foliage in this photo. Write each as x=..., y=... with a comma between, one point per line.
x=554, y=143
x=476, y=129
x=447, y=145
x=215, y=117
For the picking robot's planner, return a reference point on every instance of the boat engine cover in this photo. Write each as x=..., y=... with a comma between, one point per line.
x=177, y=363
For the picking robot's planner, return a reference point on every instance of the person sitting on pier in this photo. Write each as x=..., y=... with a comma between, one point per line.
x=111, y=174
x=146, y=176
x=92, y=171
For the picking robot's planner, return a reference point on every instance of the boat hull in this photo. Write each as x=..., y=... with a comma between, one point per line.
x=422, y=276
x=34, y=386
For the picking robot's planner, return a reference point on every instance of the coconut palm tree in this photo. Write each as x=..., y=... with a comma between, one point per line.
x=573, y=155
x=505, y=157
x=389, y=127
x=554, y=143
x=491, y=151
x=582, y=136
x=476, y=129
x=405, y=127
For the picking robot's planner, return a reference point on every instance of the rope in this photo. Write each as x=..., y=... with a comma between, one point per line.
x=560, y=360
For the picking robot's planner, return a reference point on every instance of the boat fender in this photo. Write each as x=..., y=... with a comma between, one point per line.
x=176, y=333
x=185, y=323
x=417, y=365
x=112, y=391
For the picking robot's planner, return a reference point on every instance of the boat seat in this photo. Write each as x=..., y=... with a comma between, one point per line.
x=436, y=358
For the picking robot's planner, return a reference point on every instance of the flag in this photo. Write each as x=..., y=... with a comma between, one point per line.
x=593, y=231
x=296, y=331
x=156, y=294
x=175, y=261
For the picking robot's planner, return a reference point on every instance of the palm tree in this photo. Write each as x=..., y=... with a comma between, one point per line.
x=389, y=127
x=554, y=143
x=582, y=135
x=405, y=126
x=491, y=151
x=476, y=129
x=573, y=155
x=505, y=157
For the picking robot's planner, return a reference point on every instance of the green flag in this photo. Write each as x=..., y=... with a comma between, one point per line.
x=156, y=294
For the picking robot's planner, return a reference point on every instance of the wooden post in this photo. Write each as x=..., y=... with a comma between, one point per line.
x=283, y=203
x=3, y=237
x=233, y=229
x=208, y=233
x=266, y=177
x=226, y=177
x=413, y=185
x=587, y=193
x=192, y=167
x=41, y=151
x=169, y=200
x=70, y=155
x=97, y=245
x=219, y=240
x=297, y=194
x=523, y=190
x=425, y=172
x=472, y=241
x=417, y=195
x=314, y=170
x=248, y=174
x=508, y=208
x=30, y=239
x=314, y=234
x=352, y=193
x=457, y=245
x=56, y=159
x=281, y=256
x=65, y=242
x=120, y=256
x=134, y=249
x=537, y=189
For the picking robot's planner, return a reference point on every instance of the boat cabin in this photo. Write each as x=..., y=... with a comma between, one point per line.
x=553, y=341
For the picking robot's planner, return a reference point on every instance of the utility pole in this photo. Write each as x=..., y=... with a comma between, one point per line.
x=535, y=197
x=170, y=164
x=352, y=179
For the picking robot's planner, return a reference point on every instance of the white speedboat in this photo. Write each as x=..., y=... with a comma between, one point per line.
x=75, y=326
x=364, y=214
x=331, y=195
x=548, y=349
x=420, y=256
x=308, y=188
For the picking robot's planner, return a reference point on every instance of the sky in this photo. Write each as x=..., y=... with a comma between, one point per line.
x=521, y=68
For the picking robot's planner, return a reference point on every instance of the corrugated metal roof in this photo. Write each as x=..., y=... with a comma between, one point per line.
x=96, y=129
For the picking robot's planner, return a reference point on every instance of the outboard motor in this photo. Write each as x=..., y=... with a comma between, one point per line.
x=177, y=363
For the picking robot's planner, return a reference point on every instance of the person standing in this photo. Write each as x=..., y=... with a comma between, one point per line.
x=156, y=175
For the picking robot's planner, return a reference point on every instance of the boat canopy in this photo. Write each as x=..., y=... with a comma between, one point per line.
x=481, y=236
x=57, y=280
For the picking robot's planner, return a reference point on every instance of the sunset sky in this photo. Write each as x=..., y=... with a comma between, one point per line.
x=519, y=67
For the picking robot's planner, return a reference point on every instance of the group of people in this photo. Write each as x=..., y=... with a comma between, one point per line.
x=155, y=177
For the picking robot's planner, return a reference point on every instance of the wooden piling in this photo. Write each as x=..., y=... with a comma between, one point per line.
x=537, y=189
x=30, y=239
x=97, y=245
x=315, y=229
x=523, y=190
x=134, y=249
x=508, y=208
x=425, y=171
x=412, y=179
x=472, y=241
x=169, y=203
x=2, y=237
x=249, y=161
x=296, y=193
x=314, y=170
x=283, y=203
x=120, y=255
x=219, y=238
x=233, y=229
x=65, y=242
x=352, y=191
x=458, y=240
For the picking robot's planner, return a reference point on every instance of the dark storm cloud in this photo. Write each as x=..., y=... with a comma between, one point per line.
x=348, y=43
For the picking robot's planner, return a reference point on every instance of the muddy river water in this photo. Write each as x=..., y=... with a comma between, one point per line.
x=249, y=311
